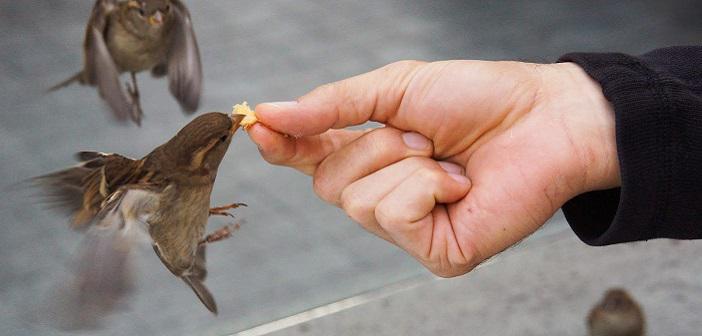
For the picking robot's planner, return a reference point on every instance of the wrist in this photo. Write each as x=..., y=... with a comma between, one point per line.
x=589, y=121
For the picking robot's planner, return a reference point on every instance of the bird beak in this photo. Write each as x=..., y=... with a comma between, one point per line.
x=156, y=19
x=236, y=122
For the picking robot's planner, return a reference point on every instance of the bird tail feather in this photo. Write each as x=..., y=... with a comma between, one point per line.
x=202, y=292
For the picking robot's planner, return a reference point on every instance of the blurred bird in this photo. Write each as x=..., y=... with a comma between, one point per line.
x=616, y=315
x=137, y=35
x=165, y=194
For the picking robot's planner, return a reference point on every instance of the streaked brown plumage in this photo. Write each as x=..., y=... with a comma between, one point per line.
x=166, y=193
x=137, y=35
x=616, y=315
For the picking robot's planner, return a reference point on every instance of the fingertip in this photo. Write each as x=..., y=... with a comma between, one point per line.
x=453, y=188
x=259, y=134
x=274, y=147
x=463, y=181
x=451, y=167
x=272, y=109
x=287, y=118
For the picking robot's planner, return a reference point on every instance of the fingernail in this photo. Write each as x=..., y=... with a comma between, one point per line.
x=283, y=105
x=415, y=140
x=451, y=167
x=460, y=178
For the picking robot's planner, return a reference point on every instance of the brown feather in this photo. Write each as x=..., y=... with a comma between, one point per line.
x=167, y=192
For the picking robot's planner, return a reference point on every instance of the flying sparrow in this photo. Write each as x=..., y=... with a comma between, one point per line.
x=137, y=35
x=166, y=195
x=616, y=315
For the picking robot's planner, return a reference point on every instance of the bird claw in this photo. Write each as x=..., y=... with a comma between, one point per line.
x=222, y=211
x=221, y=234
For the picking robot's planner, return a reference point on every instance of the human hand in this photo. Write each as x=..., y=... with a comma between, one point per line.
x=474, y=156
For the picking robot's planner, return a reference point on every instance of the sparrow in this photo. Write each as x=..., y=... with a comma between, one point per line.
x=163, y=197
x=616, y=315
x=134, y=36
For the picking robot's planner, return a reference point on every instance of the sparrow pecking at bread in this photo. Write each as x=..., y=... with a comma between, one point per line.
x=164, y=197
x=134, y=36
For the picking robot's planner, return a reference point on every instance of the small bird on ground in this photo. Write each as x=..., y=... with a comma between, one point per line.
x=616, y=315
x=165, y=194
x=137, y=35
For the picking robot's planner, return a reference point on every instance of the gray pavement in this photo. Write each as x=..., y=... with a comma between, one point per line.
x=293, y=253
x=546, y=288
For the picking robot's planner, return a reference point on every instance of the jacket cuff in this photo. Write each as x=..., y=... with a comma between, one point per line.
x=643, y=135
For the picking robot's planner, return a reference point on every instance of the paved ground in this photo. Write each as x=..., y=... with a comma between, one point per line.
x=293, y=253
x=546, y=288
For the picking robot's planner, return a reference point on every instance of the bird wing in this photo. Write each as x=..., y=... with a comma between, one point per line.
x=100, y=69
x=184, y=66
x=112, y=194
x=101, y=273
x=91, y=189
x=99, y=279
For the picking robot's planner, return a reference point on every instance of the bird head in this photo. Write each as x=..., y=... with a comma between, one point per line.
x=617, y=300
x=152, y=13
x=201, y=145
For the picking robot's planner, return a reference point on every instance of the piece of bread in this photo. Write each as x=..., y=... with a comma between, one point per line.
x=245, y=110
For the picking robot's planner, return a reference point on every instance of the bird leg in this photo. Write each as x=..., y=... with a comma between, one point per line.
x=133, y=91
x=220, y=234
x=222, y=211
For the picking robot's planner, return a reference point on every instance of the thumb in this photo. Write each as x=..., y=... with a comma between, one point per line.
x=373, y=96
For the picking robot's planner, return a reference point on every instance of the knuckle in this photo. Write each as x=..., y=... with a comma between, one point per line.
x=418, y=161
x=352, y=103
x=404, y=65
x=430, y=176
x=322, y=186
x=323, y=89
x=383, y=141
x=353, y=204
x=387, y=217
x=391, y=218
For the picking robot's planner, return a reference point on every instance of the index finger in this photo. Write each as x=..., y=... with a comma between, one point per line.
x=373, y=96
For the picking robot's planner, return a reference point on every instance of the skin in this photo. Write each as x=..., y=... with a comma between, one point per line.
x=474, y=156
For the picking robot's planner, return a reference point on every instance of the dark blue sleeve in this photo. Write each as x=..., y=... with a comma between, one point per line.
x=657, y=100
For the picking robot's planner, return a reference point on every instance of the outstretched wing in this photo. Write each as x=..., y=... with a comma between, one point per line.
x=111, y=197
x=100, y=69
x=101, y=274
x=82, y=189
x=184, y=67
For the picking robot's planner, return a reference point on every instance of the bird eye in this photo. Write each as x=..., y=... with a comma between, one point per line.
x=141, y=11
x=223, y=138
x=168, y=7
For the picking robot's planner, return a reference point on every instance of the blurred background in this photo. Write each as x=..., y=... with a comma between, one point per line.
x=296, y=260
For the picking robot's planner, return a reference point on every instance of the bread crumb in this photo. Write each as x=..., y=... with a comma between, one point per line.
x=249, y=115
